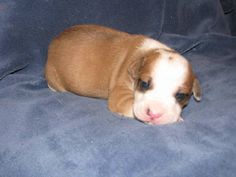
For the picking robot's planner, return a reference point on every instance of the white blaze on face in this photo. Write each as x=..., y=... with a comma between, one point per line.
x=168, y=75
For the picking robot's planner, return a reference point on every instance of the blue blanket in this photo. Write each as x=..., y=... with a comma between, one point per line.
x=48, y=134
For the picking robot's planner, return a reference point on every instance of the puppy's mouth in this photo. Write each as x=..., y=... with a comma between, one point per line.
x=156, y=114
x=162, y=120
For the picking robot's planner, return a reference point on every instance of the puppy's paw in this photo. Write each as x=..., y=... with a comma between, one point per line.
x=122, y=111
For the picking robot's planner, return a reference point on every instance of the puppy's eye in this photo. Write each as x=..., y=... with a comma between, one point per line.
x=144, y=85
x=181, y=96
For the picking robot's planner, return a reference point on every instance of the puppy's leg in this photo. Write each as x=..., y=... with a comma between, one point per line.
x=120, y=101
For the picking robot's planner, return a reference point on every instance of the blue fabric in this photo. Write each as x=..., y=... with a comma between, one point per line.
x=12, y=57
x=47, y=134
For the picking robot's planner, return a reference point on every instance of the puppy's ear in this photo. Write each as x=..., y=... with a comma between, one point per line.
x=197, y=93
x=134, y=68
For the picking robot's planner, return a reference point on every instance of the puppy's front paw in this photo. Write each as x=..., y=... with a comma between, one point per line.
x=120, y=101
x=125, y=112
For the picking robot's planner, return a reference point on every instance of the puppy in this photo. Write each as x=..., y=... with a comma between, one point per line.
x=141, y=77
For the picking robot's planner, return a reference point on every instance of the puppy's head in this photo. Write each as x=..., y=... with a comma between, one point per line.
x=164, y=83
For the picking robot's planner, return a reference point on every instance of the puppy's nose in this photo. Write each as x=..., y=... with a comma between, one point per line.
x=153, y=115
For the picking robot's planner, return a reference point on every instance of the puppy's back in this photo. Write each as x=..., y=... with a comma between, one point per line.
x=83, y=58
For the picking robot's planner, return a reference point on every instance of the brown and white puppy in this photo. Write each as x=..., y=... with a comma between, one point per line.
x=141, y=77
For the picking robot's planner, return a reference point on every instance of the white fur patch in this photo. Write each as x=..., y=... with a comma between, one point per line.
x=151, y=44
x=168, y=75
x=51, y=88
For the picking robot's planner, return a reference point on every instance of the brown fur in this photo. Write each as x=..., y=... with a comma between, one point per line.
x=93, y=61
x=88, y=51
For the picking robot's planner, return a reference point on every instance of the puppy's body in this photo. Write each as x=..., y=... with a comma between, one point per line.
x=101, y=62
